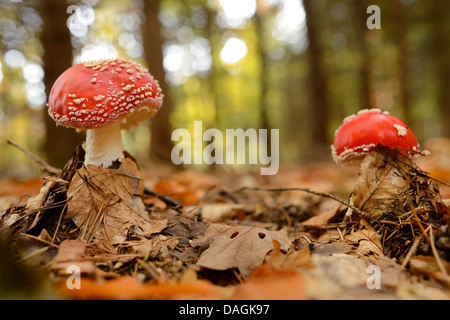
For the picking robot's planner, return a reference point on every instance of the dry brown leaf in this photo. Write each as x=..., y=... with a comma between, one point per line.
x=187, y=195
x=270, y=283
x=33, y=251
x=333, y=247
x=345, y=270
x=423, y=264
x=10, y=186
x=162, y=245
x=130, y=288
x=411, y=290
x=71, y=252
x=369, y=241
x=324, y=218
x=292, y=259
x=36, y=203
x=107, y=203
x=240, y=247
x=141, y=248
x=217, y=212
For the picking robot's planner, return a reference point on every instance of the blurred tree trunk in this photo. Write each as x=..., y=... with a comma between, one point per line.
x=264, y=76
x=161, y=144
x=360, y=16
x=60, y=142
x=319, y=108
x=441, y=53
x=211, y=35
x=400, y=39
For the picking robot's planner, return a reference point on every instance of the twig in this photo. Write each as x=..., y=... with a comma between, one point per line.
x=436, y=254
x=165, y=198
x=96, y=223
x=41, y=240
x=47, y=167
x=208, y=194
x=59, y=221
x=153, y=271
x=317, y=193
x=419, y=222
x=211, y=193
x=411, y=251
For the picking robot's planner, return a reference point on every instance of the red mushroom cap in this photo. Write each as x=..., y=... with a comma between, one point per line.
x=361, y=133
x=94, y=94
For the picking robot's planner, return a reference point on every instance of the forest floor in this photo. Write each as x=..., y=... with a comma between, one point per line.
x=221, y=235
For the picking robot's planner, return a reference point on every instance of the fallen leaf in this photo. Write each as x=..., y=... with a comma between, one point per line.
x=334, y=247
x=344, y=270
x=26, y=187
x=130, y=288
x=335, y=214
x=240, y=247
x=369, y=241
x=161, y=245
x=71, y=252
x=409, y=290
x=33, y=251
x=155, y=203
x=270, y=283
x=217, y=212
x=187, y=195
x=292, y=259
x=423, y=264
x=141, y=248
x=106, y=203
x=36, y=203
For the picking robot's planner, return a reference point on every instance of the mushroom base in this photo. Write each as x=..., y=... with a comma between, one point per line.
x=103, y=145
x=107, y=203
x=383, y=182
x=398, y=198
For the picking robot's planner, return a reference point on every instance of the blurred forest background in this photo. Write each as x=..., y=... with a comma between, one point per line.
x=300, y=66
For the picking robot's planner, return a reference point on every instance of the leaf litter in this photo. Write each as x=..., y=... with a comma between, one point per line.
x=191, y=235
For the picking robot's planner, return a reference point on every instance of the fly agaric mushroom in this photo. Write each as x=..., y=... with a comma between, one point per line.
x=361, y=133
x=392, y=193
x=103, y=97
x=384, y=146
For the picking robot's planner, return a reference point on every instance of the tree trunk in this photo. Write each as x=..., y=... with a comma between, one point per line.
x=318, y=112
x=441, y=52
x=161, y=144
x=60, y=142
x=265, y=123
x=211, y=35
x=400, y=40
x=360, y=31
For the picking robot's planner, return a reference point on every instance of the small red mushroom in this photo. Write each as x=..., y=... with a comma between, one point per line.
x=384, y=147
x=391, y=191
x=102, y=97
x=360, y=134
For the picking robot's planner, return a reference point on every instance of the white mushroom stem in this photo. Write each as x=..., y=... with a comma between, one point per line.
x=103, y=145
